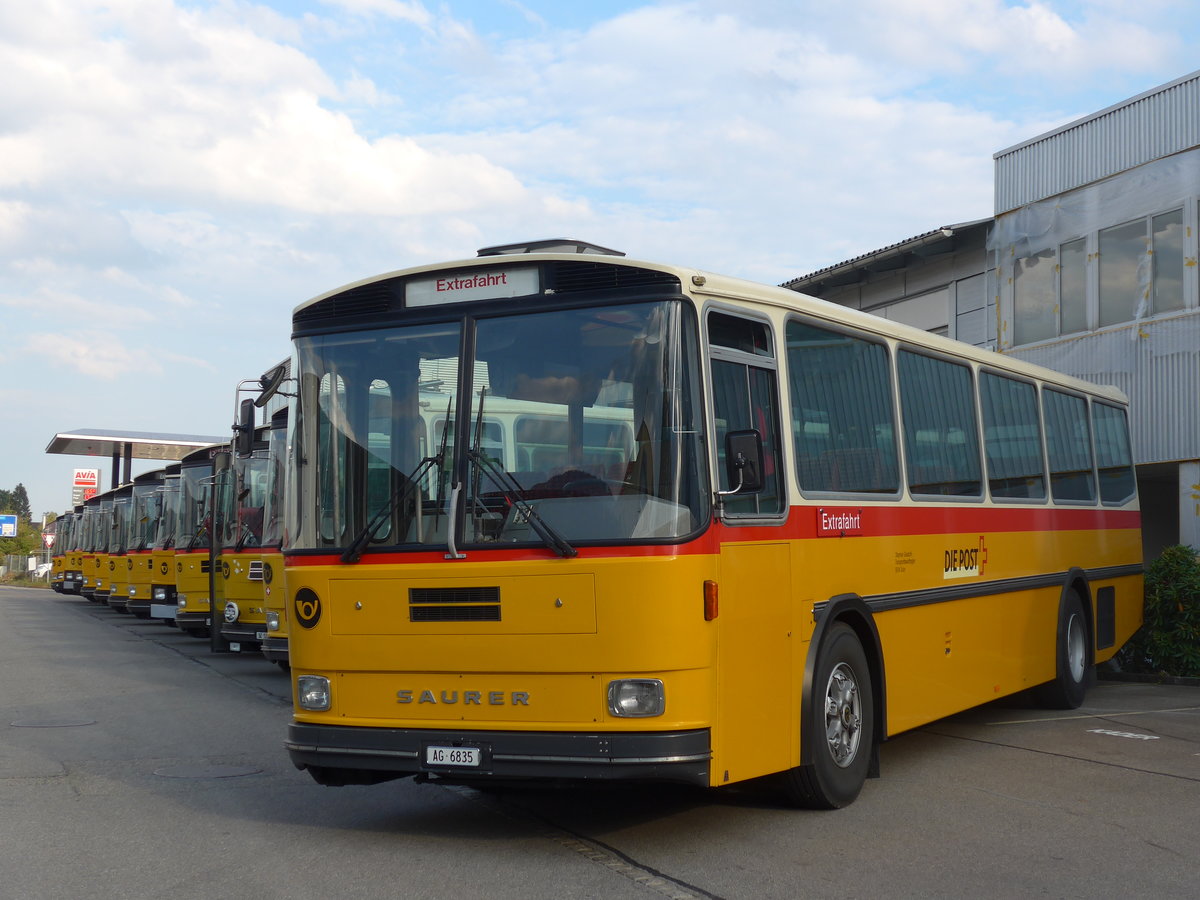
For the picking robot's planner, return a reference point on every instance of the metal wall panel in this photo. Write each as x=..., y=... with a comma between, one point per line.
x=1150, y=126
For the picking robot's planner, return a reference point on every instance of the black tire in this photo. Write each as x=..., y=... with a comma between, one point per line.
x=841, y=726
x=1073, y=658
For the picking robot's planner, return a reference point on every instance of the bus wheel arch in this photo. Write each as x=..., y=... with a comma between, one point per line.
x=843, y=681
x=1074, y=654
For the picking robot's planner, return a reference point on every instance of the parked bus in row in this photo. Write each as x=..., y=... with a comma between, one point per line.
x=193, y=533
x=61, y=529
x=101, y=534
x=241, y=498
x=162, y=556
x=275, y=643
x=145, y=514
x=119, y=563
x=682, y=527
x=73, y=562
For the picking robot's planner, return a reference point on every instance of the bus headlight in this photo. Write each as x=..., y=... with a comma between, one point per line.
x=312, y=692
x=272, y=619
x=160, y=593
x=181, y=600
x=231, y=612
x=636, y=697
x=132, y=591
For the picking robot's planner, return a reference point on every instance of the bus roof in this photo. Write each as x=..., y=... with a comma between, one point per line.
x=703, y=285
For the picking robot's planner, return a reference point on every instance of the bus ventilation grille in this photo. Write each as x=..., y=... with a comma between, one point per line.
x=367, y=299
x=256, y=571
x=477, y=604
x=571, y=277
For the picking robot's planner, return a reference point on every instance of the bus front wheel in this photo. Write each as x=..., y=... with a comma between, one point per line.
x=841, y=725
x=1072, y=659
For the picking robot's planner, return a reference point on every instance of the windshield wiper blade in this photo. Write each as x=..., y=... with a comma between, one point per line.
x=354, y=552
x=515, y=494
x=511, y=489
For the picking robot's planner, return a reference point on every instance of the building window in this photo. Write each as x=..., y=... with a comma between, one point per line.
x=1141, y=268
x=1072, y=280
x=1167, y=245
x=1035, y=314
x=1140, y=273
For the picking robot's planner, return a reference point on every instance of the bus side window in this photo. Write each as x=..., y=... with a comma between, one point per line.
x=745, y=396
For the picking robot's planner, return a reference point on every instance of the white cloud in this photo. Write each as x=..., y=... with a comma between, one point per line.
x=95, y=354
x=415, y=13
x=188, y=110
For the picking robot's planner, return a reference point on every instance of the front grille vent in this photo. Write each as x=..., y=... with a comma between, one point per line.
x=364, y=300
x=474, y=604
x=256, y=571
x=571, y=277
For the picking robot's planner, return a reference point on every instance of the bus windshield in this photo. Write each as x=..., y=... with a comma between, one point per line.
x=581, y=423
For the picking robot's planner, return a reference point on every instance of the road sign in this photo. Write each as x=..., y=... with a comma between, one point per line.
x=8, y=526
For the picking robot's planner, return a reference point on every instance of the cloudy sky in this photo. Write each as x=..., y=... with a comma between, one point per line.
x=177, y=175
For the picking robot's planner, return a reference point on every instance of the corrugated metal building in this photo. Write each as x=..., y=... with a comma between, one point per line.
x=1090, y=268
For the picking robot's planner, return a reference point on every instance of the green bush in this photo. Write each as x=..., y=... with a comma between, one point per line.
x=1169, y=641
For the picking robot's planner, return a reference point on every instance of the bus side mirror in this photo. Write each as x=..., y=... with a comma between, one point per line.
x=244, y=429
x=744, y=462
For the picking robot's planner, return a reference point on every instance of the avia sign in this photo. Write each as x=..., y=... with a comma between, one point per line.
x=84, y=485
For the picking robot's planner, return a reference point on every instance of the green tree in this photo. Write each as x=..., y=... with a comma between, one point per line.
x=6, y=502
x=27, y=542
x=20, y=500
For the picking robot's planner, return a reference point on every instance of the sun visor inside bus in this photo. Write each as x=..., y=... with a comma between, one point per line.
x=544, y=381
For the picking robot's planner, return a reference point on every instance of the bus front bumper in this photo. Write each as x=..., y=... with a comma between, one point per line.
x=341, y=754
x=275, y=649
x=249, y=635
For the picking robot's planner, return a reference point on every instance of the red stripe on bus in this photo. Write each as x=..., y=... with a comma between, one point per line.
x=802, y=524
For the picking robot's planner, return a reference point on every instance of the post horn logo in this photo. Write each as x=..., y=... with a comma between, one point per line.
x=308, y=608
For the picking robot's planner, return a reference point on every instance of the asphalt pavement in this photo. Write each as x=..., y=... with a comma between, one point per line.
x=135, y=763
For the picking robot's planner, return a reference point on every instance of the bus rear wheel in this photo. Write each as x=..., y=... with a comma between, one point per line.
x=841, y=725
x=1072, y=659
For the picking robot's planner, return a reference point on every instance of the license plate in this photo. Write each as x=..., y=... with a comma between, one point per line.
x=453, y=756
x=235, y=647
x=260, y=635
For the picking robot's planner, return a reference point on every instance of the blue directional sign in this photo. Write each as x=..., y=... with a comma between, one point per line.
x=8, y=526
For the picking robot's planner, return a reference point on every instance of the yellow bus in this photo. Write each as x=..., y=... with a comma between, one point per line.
x=241, y=496
x=89, y=517
x=101, y=538
x=73, y=561
x=120, y=565
x=162, y=556
x=275, y=642
x=60, y=531
x=193, y=538
x=145, y=514
x=734, y=532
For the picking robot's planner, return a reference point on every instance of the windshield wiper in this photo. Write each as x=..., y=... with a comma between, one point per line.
x=199, y=531
x=246, y=534
x=354, y=552
x=512, y=490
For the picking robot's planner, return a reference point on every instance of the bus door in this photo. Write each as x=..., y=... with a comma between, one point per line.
x=758, y=703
